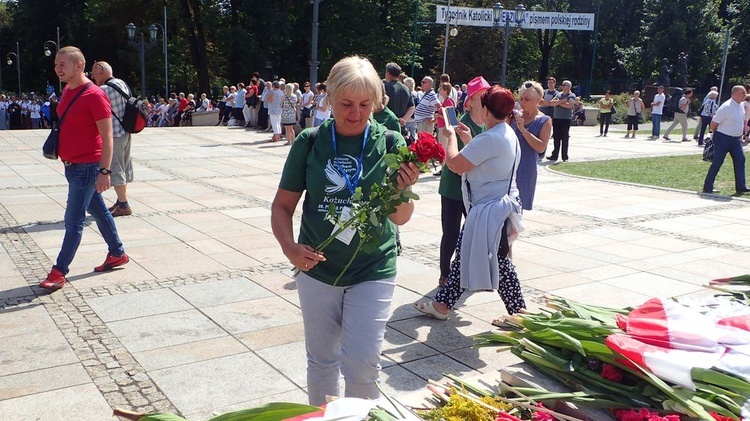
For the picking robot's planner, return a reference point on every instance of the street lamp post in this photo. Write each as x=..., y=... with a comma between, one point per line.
x=314, y=63
x=142, y=53
x=448, y=31
x=17, y=54
x=153, y=31
x=48, y=53
x=497, y=14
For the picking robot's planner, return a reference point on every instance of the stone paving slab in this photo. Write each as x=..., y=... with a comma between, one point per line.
x=205, y=318
x=82, y=403
x=220, y=382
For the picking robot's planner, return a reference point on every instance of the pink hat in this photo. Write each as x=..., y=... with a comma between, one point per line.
x=478, y=84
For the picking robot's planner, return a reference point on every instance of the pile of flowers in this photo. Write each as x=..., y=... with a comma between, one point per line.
x=459, y=400
x=368, y=213
x=662, y=361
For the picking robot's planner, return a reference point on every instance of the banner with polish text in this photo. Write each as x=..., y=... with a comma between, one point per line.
x=469, y=16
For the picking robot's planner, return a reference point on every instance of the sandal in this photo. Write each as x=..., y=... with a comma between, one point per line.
x=499, y=322
x=428, y=309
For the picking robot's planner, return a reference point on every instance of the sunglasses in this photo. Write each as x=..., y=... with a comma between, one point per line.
x=528, y=85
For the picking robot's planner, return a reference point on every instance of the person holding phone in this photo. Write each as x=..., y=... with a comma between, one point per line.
x=533, y=129
x=451, y=202
x=445, y=101
x=488, y=165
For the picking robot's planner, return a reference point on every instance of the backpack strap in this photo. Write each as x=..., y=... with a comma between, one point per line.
x=121, y=92
x=390, y=140
x=311, y=139
x=60, y=120
x=117, y=88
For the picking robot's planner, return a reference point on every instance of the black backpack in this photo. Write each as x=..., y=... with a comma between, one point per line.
x=136, y=112
x=674, y=101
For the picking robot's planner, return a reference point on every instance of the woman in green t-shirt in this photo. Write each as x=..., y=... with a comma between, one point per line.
x=344, y=324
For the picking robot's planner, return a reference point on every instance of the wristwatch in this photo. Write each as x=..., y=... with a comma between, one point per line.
x=105, y=171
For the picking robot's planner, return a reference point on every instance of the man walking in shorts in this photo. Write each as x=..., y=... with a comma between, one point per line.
x=122, y=166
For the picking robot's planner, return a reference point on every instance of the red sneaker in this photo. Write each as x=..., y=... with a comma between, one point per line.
x=112, y=262
x=55, y=280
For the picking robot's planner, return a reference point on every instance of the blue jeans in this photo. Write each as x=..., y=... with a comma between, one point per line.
x=724, y=145
x=82, y=196
x=656, y=125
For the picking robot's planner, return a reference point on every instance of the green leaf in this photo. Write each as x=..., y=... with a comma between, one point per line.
x=357, y=196
x=161, y=417
x=374, y=219
x=392, y=160
x=411, y=195
x=720, y=379
x=277, y=411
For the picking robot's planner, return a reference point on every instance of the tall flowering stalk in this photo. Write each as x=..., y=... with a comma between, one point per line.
x=368, y=213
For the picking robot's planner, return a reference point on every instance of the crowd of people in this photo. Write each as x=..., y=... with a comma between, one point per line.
x=345, y=291
x=27, y=111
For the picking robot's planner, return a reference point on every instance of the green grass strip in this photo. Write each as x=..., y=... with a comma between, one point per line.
x=685, y=172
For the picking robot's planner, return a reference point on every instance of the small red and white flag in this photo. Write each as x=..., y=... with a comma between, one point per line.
x=668, y=324
x=673, y=365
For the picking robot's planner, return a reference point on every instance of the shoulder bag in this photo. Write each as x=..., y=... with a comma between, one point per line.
x=49, y=149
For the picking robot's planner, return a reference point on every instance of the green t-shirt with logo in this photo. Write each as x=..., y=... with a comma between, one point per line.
x=450, y=182
x=315, y=172
x=388, y=119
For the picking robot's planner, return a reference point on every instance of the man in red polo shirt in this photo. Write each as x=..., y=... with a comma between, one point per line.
x=85, y=147
x=180, y=108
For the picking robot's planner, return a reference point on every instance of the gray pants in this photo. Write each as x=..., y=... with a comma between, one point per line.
x=426, y=126
x=122, y=165
x=681, y=119
x=344, y=331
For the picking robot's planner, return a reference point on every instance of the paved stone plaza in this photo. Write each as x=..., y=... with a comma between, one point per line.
x=205, y=317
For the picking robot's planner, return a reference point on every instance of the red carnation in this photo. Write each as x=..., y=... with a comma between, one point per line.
x=427, y=147
x=542, y=416
x=627, y=415
x=612, y=373
x=719, y=417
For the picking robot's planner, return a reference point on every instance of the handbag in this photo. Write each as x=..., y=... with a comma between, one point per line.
x=708, y=150
x=49, y=149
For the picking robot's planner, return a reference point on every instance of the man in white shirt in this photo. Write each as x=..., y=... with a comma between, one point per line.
x=424, y=113
x=657, y=105
x=727, y=126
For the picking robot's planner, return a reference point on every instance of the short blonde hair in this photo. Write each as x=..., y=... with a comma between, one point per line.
x=75, y=53
x=355, y=74
x=535, y=86
x=410, y=83
x=289, y=89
